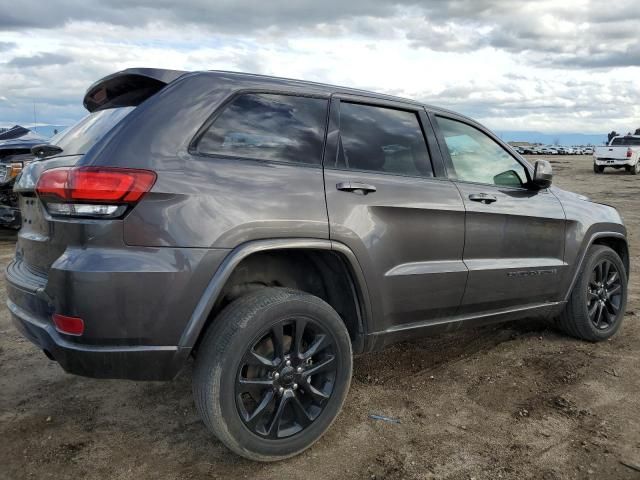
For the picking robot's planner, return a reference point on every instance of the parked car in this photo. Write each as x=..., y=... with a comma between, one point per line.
x=272, y=228
x=15, y=152
x=622, y=152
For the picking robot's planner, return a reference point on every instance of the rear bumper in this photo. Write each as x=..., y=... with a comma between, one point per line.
x=133, y=363
x=610, y=162
x=106, y=355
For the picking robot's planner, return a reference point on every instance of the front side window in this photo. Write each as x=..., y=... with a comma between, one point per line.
x=269, y=127
x=476, y=157
x=379, y=139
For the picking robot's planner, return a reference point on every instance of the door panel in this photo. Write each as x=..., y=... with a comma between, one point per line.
x=514, y=248
x=406, y=227
x=514, y=235
x=408, y=237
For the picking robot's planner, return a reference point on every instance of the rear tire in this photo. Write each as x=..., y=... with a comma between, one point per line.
x=597, y=303
x=598, y=168
x=635, y=169
x=272, y=373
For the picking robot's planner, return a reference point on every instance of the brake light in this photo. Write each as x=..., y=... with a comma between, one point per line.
x=93, y=191
x=629, y=152
x=68, y=325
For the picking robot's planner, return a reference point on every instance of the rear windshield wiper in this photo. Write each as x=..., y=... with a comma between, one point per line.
x=45, y=150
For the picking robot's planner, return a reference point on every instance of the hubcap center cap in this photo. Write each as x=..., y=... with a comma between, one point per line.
x=287, y=376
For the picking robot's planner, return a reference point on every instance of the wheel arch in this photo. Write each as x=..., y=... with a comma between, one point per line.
x=615, y=240
x=236, y=276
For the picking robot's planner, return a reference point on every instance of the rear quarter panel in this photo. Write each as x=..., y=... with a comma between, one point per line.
x=208, y=202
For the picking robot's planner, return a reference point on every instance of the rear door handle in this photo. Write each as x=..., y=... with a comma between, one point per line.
x=365, y=188
x=482, y=198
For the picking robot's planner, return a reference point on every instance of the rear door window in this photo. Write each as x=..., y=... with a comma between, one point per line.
x=265, y=126
x=381, y=139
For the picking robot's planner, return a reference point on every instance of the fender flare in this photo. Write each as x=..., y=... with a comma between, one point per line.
x=208, y=299
x=591, y=241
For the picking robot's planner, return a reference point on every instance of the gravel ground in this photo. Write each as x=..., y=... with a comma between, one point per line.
x=513, y=401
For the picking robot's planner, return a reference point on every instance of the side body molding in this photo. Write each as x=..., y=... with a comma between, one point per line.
x=215, y=286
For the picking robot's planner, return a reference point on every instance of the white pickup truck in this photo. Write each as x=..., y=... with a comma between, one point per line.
x=622, y=151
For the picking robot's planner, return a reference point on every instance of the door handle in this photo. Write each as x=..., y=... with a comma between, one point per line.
x=356, y=187
x=483, y=198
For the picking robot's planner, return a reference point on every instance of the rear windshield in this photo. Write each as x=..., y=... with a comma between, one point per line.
x=634, y=141
x=87, y=132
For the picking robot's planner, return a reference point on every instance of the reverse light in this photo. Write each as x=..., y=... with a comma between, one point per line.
x=68, y=325
x=98, y=192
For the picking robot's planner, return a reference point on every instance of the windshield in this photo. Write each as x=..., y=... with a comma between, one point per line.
x=633, y=141
x=87, y=132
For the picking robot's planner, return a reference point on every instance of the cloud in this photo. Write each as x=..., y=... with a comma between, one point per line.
x=39, y=60
x=5, y=46
x=538, y=64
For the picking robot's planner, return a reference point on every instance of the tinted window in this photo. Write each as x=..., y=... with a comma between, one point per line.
x=381, y=139
x=476, y=157
x=630, y=141
x=269, y=127
x=85, y=133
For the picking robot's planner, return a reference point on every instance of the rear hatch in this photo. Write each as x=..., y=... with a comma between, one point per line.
x=42, y=238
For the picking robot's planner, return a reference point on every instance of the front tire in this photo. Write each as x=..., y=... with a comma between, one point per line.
x=272, y=373
x=596, y=306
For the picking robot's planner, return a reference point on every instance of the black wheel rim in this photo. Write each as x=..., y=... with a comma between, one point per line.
x=604, y=295
x=286, y=378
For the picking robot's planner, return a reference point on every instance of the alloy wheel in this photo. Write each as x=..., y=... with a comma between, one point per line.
x=604, y=295
x=286, y=378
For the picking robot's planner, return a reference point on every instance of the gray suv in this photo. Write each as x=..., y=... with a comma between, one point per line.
x=272, y=228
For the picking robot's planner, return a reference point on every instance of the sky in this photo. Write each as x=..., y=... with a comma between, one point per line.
x=548, y=66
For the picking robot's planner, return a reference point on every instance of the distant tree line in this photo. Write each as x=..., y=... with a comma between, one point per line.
x=615, y=134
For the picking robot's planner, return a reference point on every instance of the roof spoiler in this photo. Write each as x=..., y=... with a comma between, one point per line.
x=128, y=87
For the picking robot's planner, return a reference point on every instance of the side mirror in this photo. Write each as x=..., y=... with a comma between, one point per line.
x=542, y=174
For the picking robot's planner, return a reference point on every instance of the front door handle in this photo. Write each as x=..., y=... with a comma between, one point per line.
x=365, y=188
x=483, y=198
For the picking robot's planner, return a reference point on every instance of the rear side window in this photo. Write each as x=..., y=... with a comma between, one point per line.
x=380, y=139
x=79, y=138
x=626, y=141
x=269, y=127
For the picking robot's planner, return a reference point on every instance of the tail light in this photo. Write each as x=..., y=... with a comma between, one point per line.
x=629, y=153
x=95, y=192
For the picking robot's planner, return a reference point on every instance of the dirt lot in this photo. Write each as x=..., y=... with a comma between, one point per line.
x=514, y=401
